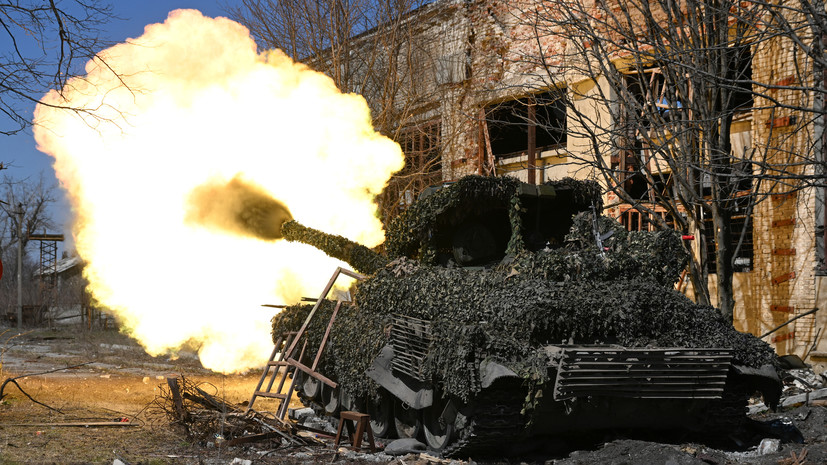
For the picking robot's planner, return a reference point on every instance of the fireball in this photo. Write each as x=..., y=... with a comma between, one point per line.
x=192, y=103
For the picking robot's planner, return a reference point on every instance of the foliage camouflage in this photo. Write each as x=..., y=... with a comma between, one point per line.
x=552, y=297
x=659, y=256
x=411, y=233
x=570, y=295
x=361, y=258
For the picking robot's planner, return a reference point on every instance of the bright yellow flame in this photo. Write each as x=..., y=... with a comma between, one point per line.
x=193, y=102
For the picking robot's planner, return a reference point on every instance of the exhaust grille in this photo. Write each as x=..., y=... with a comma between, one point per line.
x=410, y=338
x=641, y=373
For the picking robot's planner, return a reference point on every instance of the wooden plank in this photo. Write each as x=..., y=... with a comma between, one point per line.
x=783, y=251
x=312, y=373
x=782, y=309
x=80, y=424
x=254, y=438
x=177, y=401
x=273, y=395
x=782, y=223
x=783, y=278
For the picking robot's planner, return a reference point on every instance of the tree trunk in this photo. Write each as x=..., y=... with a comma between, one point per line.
x=723, y=238
x=697, y=265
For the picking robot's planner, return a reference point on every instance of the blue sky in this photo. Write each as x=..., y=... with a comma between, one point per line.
x=20, y=149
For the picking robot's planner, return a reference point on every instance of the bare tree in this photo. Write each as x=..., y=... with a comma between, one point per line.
x=32, y=198
x=48, y=43
x=655, y=93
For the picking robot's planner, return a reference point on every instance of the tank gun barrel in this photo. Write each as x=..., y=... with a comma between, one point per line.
x=361, y=258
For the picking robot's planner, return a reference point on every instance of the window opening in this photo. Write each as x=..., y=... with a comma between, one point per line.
x=743, y=259
x=421, y=145
x=508, y=124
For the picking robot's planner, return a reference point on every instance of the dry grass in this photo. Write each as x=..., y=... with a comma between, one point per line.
x=121, y=383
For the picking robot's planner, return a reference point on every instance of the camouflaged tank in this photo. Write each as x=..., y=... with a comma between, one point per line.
x=494, y=318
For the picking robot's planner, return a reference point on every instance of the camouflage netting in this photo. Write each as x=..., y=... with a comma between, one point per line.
x=659, y=256
x=578, y=294
x=555, y=297
x=361, y=258
x=411, y=234
x=507, y=316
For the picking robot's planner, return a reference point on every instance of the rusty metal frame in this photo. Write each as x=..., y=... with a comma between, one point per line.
x=287, y=357
x=290, y=352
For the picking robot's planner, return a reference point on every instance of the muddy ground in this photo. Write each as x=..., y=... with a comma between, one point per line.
x=112, y=380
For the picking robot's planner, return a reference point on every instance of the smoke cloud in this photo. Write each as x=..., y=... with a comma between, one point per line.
x=238, y=207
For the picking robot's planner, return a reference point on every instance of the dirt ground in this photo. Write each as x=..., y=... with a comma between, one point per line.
x=111, y=379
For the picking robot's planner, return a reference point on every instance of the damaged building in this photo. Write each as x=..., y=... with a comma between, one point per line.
x=545, y=90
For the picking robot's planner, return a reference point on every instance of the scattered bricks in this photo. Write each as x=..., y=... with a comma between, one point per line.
x=783, y=251
x=782, y=223
x=783, y=196
x=783, y=337
x=782, y=309
x=781, y=122
x=786, y=81
x=783, y=278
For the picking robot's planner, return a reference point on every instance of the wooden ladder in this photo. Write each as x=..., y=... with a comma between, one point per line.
x=284, y=351
x=276, y=361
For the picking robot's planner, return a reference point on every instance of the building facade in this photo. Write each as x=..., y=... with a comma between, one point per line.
x=507, y=94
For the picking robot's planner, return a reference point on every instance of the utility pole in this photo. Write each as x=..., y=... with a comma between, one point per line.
x=20, y=266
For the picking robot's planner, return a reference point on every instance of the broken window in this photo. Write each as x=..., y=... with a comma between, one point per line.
x=421, y=145
x=508, y=124
x=741, y=98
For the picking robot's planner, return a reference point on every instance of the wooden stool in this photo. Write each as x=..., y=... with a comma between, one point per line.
x=362, y=420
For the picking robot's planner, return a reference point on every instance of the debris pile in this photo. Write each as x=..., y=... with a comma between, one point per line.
x=210, y=421
x=801, y=386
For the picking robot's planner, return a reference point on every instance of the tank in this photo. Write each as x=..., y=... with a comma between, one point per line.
x=500, y=312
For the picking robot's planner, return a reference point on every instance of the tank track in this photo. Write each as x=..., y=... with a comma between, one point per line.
x=495, y=422
x=729, y=414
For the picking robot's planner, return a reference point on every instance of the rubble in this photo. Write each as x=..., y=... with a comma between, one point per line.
x=210, y=421
x=802, y=386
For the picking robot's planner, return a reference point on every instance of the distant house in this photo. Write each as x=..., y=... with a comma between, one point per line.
x=63, y=293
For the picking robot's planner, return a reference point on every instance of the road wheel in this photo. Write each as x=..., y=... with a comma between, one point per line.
x=407, y=420
x=439, y=430
x=312, y=387
x=330, y=399
x=381, y=414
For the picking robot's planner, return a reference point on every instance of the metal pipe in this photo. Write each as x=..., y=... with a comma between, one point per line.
x=20, y=266
x=788, y=322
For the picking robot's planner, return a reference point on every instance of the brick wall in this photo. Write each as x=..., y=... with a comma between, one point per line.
x=782, y=283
